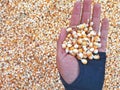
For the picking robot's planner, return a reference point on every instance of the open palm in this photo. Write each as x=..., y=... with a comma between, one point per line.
x=68, y=65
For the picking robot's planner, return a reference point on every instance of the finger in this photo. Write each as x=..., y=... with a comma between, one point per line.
x=60, y=50
x=86, y=11
x=75, y=18
x=104, y=33
x=96, y=17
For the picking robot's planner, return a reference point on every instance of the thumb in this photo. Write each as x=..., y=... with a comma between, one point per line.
x=62, y=36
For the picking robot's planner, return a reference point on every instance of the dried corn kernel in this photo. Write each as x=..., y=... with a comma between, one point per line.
x=96, y=51
x=80, y=50
x=80, y=55
x=89, y=53
x=76, y=46
x=69, y=45
x=63, y=46
x=96, y=57
x=75, y=51
x=91, y=57
x=79, y=41
x=84, y=61
x=69, y=29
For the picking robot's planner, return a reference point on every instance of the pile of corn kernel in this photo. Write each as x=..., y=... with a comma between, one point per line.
x=82, y=42
x=28, y=32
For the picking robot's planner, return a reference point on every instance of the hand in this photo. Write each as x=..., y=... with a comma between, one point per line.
x=68, y=65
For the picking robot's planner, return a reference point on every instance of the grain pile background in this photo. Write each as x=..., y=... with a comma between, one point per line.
x=28, y=34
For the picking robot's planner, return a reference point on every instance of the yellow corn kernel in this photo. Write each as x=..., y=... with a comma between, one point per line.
x=79, y=34
x=96, y=57
x=92, y=32
x=71, y=48
x=84, y=43
x=79, y=41
x=97, y=38
x=84, y=61
x=63, y=46
x=74, y=41
x=97, y=44
x=90, y=57
x=69, y=35
x=90, y=44
x=80, y=50
x=75, y=51
x=92, y=49
x=72, y=53
x=84, y=55
x=81, y=26
x=89, y=53
x=69, y=29
x=95, y=47
x=80, y=55
x=90, y=28
x=85, y=29
x=69, y=45
x=76, y=46
x=84, y=36
x=95, y=51
x=67, y=50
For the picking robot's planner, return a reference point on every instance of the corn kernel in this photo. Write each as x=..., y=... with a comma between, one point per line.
x=96, y=57
x=79, y=34
x=80, y=50
x=90, y=28
x=69, y=29
x=74, y=41
x=90, y=57
x=69, y=35
x=76, y=46
x=67, y=50
x=85, y=48
x=97, y=38
x=71, y=48
x=84, y=61
x=72, y=53
x=75, y=51
x=84, y=43
x=89, y=53
x=97, y=44
x=79, y=41
x=96, y=51
x=93, y=32
x=80, y=55
x=90, y=44
x=69, y=45
x=85, y=29
x=83, y=32
x=63, y=46
x=91, y=49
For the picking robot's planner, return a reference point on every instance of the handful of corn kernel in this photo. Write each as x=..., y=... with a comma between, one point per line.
x=82, y=42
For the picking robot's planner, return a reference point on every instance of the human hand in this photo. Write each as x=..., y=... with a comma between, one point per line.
x=68, y=65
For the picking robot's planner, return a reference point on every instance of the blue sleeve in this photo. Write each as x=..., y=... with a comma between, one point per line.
x=91, y=76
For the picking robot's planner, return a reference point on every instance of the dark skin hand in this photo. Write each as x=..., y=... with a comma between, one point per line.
x=68, y=65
